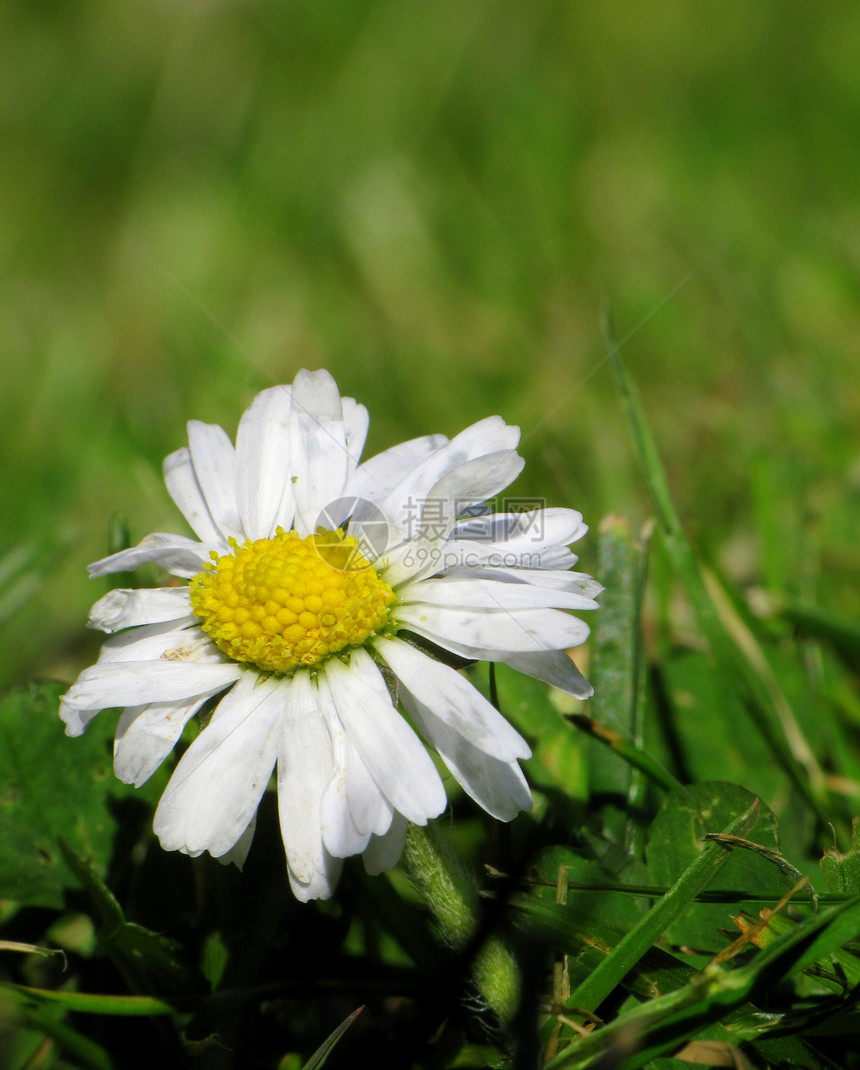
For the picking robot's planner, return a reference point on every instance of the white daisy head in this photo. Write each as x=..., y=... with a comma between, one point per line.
x=322, y=597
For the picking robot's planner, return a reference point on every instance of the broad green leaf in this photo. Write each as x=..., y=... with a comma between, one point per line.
x=584, y=872
x=50, y=786
x=586, y=941
x=707, y=861
x=149, y=961
x=790, y=1051
x=817, y=937
x=676, y=839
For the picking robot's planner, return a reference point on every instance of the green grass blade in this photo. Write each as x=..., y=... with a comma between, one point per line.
x=843, y=633
x=92, y=1003
x=608, y=974
x=586, y=940
x=793, y=755
x=629, y=750
x=663, y=1024
x=24, y=569
x=87, y=1052
x=617, y=772
x=325, y=1049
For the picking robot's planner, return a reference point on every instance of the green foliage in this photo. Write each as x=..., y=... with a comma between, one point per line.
x=626, y=900
x=661, y=1025
x=149, y=961
x=320, y=1056
x=842, y=869
x=435, y=201
x=50, y=789
x=676, y=840
x=616, y=673
x=700, y=871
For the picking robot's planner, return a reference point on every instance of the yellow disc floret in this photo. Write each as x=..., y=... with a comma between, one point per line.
x=286, y=601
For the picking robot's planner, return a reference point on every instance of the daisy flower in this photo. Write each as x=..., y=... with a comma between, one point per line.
x=321, y=598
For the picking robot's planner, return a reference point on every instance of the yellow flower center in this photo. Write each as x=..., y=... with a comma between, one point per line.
x=283, y=602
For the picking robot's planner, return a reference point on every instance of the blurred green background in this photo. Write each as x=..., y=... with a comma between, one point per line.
x=437, y=202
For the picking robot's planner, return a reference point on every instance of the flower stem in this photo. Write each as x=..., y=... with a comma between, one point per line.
x=452, y=895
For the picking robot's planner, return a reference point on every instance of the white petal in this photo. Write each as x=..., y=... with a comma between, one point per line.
x=394, y=755
x=319, y=461
x=217, y=786
x=383, y=852
x=172, y=641
x=304, y=769
x=182, y=485
x=473, y=653
x=322, y=883
x=529, y=630
x=145, y=735
x=214, y=461
x=536, y=539
x=535, y=529
x=356, y=423
x=471, y=482
x=468, y=484
x=490, y=594
x=76, y=718
x=137, y=683
x=238, y=853
x=341, y=835
x=554, y=667
x=406, y=500
x=557, y=579
x=353, y=806
x=379, y=475
x=177, y=554
x=370, y=810
x=453, y=700
x=498, y=787
x=262, y=464
x=147, y=644
x=126, y=608
x=459, y=554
